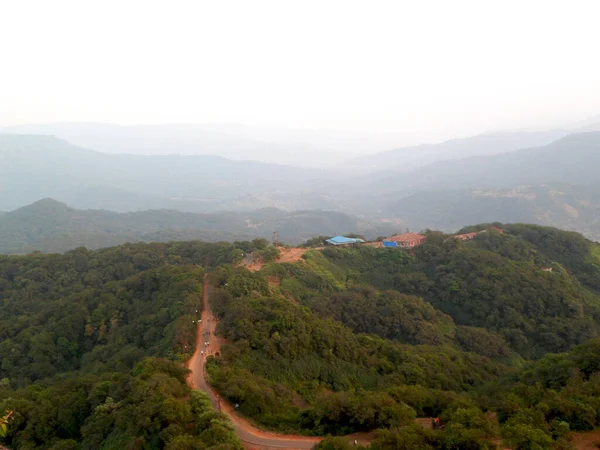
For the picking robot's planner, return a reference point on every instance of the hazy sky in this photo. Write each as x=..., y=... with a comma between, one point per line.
x=415, y=68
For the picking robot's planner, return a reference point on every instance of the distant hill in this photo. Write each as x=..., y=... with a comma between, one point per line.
x=569, y=207
x=51, y=226
x=572, y=159
x=301, y=147
x=410, y=158
x=555, y=185
x=33, y=167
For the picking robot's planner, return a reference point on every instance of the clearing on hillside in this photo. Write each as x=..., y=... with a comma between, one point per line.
x=589, y=440
x=289, y=255
x=286, y=255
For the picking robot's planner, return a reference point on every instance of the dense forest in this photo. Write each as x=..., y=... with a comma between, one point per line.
x=91, y=345
x=348, y=340
x=362, y=338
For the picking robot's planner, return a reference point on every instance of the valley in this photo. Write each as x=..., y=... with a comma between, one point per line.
x=174, y=197
x=315, y=346
x=299, y=225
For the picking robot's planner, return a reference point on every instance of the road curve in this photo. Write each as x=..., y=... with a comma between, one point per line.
x=252, y=437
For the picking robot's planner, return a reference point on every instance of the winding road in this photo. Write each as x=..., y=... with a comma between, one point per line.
x=255, y=439
x=252, y=437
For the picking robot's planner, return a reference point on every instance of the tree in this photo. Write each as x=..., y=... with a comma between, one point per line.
x=4, y=421
x=334, y=443
x=526, y=437
x=315, y=242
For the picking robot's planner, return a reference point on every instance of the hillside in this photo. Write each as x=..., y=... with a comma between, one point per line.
x=405, y=159
x=349, y=340
x=454, y=276
x=91, y=349
x=569, y=160
x=553, y=185
x=359, y=338
x=564, y=206
x=34, y=167
x=51, y=226
x=299, y=147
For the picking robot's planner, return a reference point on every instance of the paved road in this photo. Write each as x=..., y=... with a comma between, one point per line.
x=252, y=437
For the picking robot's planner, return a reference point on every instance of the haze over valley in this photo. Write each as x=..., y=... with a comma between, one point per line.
x=334, y=225
x=548, y=178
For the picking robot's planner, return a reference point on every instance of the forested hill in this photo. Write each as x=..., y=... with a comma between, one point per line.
x=369, y=337
x=477, y=332
x=498, y=281
x=91, y=345
x=51, y=226
x=564, y=206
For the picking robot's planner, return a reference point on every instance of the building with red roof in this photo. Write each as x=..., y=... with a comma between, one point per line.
x=407, y=240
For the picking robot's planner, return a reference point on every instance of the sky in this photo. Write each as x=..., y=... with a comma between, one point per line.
x=417, y=69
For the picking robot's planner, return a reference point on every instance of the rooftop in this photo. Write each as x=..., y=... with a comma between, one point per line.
x=407, y=237
x=340, y=240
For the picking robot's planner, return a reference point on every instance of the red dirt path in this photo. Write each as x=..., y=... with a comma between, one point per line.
x=586, y=441
x=256, y=439
x=286, y=255
x=252, y=437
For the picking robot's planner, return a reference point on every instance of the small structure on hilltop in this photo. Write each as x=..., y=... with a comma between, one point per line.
x=341, y=240
x=469, y=236
x=405, y=240
x=466, y=236
x=546, y=269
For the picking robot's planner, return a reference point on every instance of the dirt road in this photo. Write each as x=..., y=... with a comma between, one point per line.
x=256, y=439
x=589, y=440
x=252, y=437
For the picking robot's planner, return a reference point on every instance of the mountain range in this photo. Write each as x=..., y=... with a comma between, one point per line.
x=52, y=226
x=571, y=159
x=300, y=147
x=33, y=167
x=552, y=184
x=349, y=150
x=410, y=158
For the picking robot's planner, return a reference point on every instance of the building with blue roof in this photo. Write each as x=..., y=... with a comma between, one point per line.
x=341, y=240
